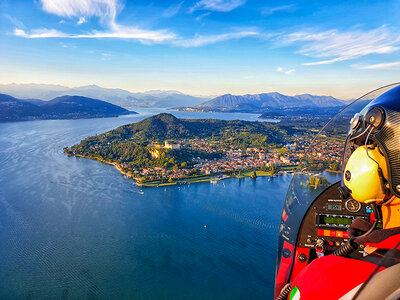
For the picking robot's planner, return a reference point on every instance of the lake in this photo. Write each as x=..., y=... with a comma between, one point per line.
x=74, y=228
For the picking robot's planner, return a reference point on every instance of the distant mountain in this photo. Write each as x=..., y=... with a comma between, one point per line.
x=12, y=109
x=82, y=107
x=319, y=101
x=33, y=91
x=34, y=101
x=166, y=99
x=260, y=103
x=118, y=97
x=65, y=107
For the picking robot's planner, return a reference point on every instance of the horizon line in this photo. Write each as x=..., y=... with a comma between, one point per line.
x=178, y=91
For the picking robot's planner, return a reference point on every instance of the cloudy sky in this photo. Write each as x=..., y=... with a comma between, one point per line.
x=203, y=47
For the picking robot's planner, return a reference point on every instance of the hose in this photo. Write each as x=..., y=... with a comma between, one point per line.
x=346, y=249
x=285, y=292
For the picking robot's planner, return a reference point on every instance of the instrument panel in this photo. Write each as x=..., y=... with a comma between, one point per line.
x=324, y=227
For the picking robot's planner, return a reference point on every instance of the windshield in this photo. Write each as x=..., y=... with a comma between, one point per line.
x=320, y=167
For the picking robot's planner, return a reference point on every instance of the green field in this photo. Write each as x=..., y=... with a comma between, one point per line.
x=258, y=173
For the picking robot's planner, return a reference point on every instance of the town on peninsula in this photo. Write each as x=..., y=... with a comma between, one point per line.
x=164, y=150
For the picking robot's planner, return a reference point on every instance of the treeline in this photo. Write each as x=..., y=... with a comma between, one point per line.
x=136, y=155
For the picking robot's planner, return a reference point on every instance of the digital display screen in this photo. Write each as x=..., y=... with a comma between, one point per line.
x=336, y=220
x=334, y=207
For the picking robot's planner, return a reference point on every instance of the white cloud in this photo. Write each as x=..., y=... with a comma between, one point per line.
x=106, y=10
x=67, y=46
x=267, y=11
x=146, y=37
x=121, y=33
x=14, y=21
x=339, y=46
x=287, y=72
x=105, y=56
x=217, y=5
x=201, y=40
x=172, y=10
x=381, y=66
x=39, y=33
x=81, y=20
x=200, y=17
x=324, y=62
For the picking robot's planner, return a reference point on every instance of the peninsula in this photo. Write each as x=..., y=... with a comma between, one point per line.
x=165, y=150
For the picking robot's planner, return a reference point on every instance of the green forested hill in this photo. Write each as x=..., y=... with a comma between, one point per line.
x=165, y=126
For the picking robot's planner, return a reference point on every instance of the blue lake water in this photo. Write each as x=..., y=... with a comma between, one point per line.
x=203, y=115
x=74, y=228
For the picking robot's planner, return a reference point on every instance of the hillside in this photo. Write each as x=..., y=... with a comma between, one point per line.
x=65, y=107
x=12, y=109
x=71, y=106
x=260, y=103
x=166, y=126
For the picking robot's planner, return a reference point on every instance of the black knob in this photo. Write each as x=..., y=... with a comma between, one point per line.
x=302, y=257
x=286, y=253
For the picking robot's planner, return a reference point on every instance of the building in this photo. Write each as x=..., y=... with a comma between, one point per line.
x=171, y=145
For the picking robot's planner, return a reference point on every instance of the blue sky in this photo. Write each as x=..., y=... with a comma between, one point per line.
x=203, y=47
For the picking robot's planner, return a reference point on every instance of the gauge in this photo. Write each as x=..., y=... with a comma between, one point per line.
x=352, y=205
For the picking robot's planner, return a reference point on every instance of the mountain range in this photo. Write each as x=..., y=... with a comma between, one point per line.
x=64, y=107
x=261, y=103
x=266, y=104
x=120, y=97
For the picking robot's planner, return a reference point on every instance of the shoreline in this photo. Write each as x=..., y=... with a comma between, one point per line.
x=332, y=171
x=107, y=163
x=199, y=179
